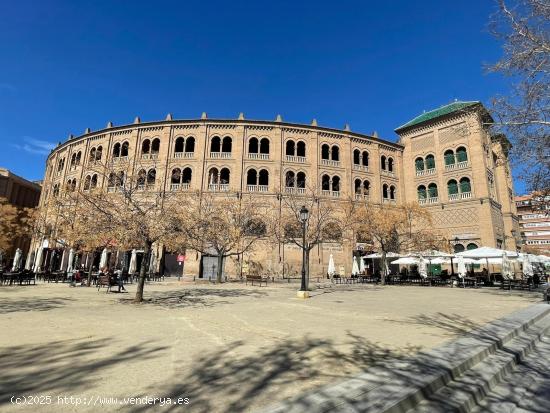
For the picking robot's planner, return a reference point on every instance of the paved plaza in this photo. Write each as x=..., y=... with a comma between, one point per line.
x=226, y=348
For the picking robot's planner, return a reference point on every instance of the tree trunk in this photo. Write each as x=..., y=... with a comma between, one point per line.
x=220, y=268
x=143, y=271
x=383, y=278
x=90, y=269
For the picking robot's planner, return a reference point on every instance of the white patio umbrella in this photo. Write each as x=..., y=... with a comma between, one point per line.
x=70, y=261
x=422, y=269
x=28, y=261
x=152, y=262
x=527, y=267
x=17, y=260
x=379, y=255
x=406, y=261
x=487, y=252
x=354, y=268
x=103, y=260
x=461, y=266
x=331, y=270
x=38, y=260
x=133, y=263
x=506, y=268
x=361, y=265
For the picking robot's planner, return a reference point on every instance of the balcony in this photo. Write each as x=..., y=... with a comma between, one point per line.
x=458, y=165
x=220, y=155
x=120, y=158
x=180, y=187
x=389, y=201
x=425, y=172
x=257, y=188
x=180, y=155
x=330, y=162
x=387, y=173
x=363, y=168
x=332, y=194
x=361, y=197
x=427, y=201
x=292, y=190
x=149, y=156
x=296, y=159
x=461, y=195
x=262, y=156
x=218, y=187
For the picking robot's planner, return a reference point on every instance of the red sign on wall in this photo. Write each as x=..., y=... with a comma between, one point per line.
x=181, y=258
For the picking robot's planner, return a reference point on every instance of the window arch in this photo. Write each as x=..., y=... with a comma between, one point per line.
x=465, y=185
x=452, y=187
x=419, y=164
x=93, y=183
x=357, y=186
x=190, y=144
x=366, y=187
x=290, y=149
x=325, y=151
x=421, y=192
x=253, y=145
x=111, y=181
x=449, y=156
x=56, y=190
x=92, y=154
x=263, y=177
x=142, y=177
x=213, y=176
x=356, y=156
x=458, y=248
x=124, y=149
x=290, y=179
x=120, y=179
x=98, y=153
x=301, y=180
x=87, y=182
x=430, y=162
x=186, y=175
x=432, y=190
x=226, y=144
x=325, y=182
x=116, y=150
x=176, y=176
x=471, y=246
x=461, y=154
x=335, y=153
x=336, y=183
x=151, y=176
x=390, y=164
x=73, y=160
x=392, y=192
x=264, y=145
x=365, y=158
x=251, y=177
x=383, y=162
x=215, y=144
x=179, y=144
x=385, y=191
x=155, y=145
x=78, y=157
x=146, y=147
x=301, y=149
x=224, y=176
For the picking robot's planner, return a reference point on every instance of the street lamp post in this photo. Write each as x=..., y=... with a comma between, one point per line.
x=304, y=215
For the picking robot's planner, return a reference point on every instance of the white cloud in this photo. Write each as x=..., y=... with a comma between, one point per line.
x=35, y=146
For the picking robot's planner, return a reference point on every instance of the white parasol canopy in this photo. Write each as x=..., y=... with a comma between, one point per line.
x=527, y=267
x=354, y=267
x=70, y=261
x=331, y=267
x=506, y=267
x=433, y=254
x=361, y=265
x=487, y=252
x=422, y=268
x=152, y=262
x=406, y=261
x=38, y=260
x=379, y=255
x=17, y=260
x=103, y=260
x=133, y=263
x=461, y=266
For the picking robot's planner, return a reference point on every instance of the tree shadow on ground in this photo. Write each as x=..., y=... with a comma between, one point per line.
x=452, y=324
x=61, y=367
x=196, y=297
x=223, y=382
x=534, y=295
x=15, y=305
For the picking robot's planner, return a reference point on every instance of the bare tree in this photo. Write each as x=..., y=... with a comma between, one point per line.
x=523, y=26
x=14, y=223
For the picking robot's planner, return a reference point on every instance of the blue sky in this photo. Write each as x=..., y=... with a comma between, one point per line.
x=66, y=66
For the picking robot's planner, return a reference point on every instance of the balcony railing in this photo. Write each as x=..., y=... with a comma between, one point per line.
x=432, y=200
x=358, y=167
x=257, y=188
x=180, y=187
x=149, y=156
x=218, y=187
x=294, y=190
x=387, y=173
x=184, y=154
x=465, y=195
x=360, y=197
x=458, y=165
x=222, y=155
x=297, y=159
x=333, y=194
x=330, y=162
x=388, y=201
x=262, y=156
x=120, y=158
x=424, y=172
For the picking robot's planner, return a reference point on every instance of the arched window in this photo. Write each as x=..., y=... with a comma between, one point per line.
x=461, y=154
x=73, y=160
x=155, y=145
x=365, y=158
x=226, y=144
x=366, y=187
x=98, y=153
x=68, y=186
x=432, y=191
x=251, y=177
x=186, y=175
x=421, y=191
x=356, y=157
x=73, y=185
x=290, y=148
x=120, y=179
x=224, y=176
x=263, y=177
x=92, y=154
x=385, y=191
x=93, y=184
x=301, y=180
x=452, y=187
x=449, y=156
x=390, y=164
x=87, y=182
x=383, y=162
x=56, y=190
x=116, y=150
x=465, y=185
x=213, y=176
x=142, y=176
x=215, y=144
x=301, y=149
x=190, y=144
x=78, y=157
x=151, y=176
x=357, y=185
x=176, y=176
x=471, y=245
x=111, y=182
x=290, y=178
x=335, y=153
x=392, y=192
x=179, y=145
x=146, y=147
x=458, y=248
x=336, y=183
x=325, y=183
x=430, y=162
x=325, y=151
x=253, y=145
x=124, y=149
x=264, y=145
x=419, y=164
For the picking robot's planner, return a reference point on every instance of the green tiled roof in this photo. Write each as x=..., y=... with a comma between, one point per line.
x=433, y=114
